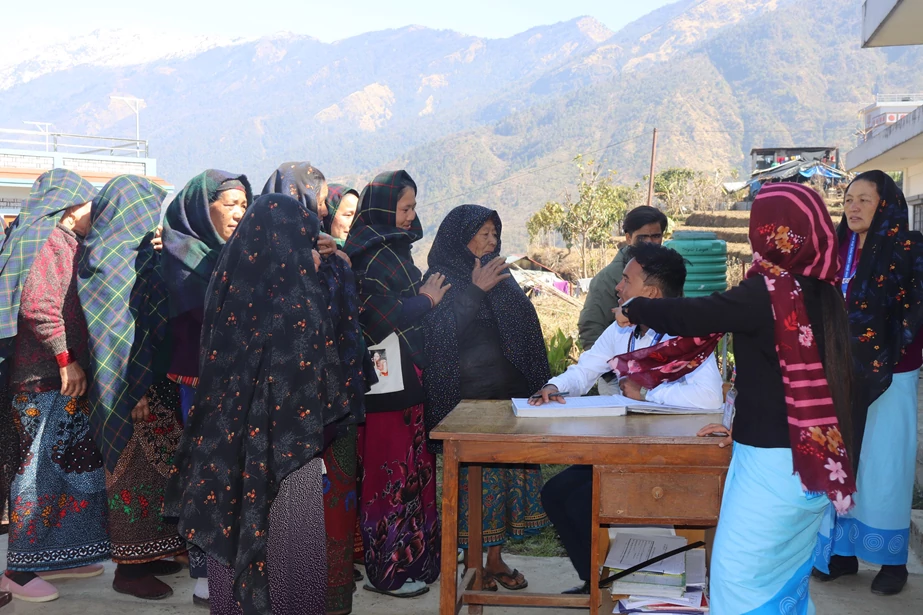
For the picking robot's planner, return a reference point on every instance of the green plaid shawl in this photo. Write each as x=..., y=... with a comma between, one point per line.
x=380, y=253
x=53, y=192
x=190, y=242
x=125, y=304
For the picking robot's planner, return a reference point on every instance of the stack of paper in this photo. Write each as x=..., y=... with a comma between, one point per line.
x=674, y=585
x=664, y=579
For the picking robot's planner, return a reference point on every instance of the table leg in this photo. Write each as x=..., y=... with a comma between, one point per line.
x=475, y=533
x=594, y=547
x=448, y=598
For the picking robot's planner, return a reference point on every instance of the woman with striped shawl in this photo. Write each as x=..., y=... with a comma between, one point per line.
x=398, y=518
x=58, y=496
x=198, y=222
x=792, y=429
x=134, y=409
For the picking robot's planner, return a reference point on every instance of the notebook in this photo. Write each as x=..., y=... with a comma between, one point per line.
x=595, y=405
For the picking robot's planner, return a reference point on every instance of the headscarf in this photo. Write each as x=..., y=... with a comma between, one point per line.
x=124, y=301
x=791, y=234
x=335, y=194
x=301, y=181
x=297, y=180
x=885, y=301
x=380, y=252
x=52, y=194
x=505, y=305
x=190, y=242
x=269, y=382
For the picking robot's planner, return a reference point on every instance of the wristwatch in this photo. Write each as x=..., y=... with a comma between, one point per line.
x=644, y=392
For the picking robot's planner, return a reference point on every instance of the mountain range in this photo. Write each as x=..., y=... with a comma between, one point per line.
x=493, y=121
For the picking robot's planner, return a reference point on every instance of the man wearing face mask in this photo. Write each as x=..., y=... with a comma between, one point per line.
x=654, y=272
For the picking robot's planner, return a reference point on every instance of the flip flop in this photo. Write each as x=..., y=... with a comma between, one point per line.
x=517, y=581
x=490, y=583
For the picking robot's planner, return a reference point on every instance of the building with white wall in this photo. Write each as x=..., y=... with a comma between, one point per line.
x=26, y=154
x=898, y=145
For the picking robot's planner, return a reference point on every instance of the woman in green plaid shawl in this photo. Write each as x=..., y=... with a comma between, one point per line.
x=134, y=408
x=397, y=509
x=57, y=497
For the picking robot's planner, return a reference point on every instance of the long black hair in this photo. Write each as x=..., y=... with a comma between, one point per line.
x=826, y=301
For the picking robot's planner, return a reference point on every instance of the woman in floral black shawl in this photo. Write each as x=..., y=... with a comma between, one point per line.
x=882, y=279
x=247, y=477
x=398, y=517
x=303, y=182
x=484, y=341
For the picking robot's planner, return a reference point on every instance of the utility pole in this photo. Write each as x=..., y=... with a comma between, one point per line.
x=135, y=104
x=650, y=185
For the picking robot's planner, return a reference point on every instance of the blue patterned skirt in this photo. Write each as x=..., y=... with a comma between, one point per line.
x=58, y=509
x=767, y=537
x=511, y=503
x=877, y=530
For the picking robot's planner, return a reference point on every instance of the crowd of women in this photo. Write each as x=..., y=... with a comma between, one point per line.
x=250, y=393
x=201, y=391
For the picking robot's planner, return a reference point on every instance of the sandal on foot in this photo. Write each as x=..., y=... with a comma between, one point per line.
x=512, y=581
x=490, y=583
x=410, y=589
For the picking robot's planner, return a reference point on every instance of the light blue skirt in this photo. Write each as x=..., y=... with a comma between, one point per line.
x=877, y=530
x=767, y=535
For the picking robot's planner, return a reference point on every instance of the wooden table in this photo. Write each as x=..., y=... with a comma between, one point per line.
x=647, y=470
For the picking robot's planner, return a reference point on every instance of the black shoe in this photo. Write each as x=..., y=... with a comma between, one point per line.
x=579, y=589
x=890, y=580
x=840, y=565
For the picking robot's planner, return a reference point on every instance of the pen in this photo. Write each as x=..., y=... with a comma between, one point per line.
x=558, y=394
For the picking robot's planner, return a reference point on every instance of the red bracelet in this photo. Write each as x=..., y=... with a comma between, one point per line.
x=432, y=302
x=64, y=359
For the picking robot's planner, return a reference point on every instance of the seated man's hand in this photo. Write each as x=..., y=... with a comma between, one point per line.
x=545, y=395
x=719, y=431
x=631, y=389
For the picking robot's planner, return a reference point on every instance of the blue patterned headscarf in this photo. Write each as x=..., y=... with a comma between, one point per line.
x=124, y=301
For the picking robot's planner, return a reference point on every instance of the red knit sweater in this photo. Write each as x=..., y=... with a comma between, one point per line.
x=51, y=321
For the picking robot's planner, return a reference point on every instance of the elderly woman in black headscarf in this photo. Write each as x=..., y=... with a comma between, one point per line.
x=484, y=341
x=342, y=202
x=248, y=475
x=198, y=222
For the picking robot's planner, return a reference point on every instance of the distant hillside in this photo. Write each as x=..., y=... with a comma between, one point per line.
x=479, y=120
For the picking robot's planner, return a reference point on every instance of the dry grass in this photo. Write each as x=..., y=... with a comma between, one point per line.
x=720, y=219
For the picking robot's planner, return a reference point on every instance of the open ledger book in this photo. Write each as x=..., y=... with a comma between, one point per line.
x=598, y=405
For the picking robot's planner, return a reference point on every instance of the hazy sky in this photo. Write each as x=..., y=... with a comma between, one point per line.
x=325, y=20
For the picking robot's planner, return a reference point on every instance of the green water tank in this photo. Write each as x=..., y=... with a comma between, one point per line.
x=706, y=269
